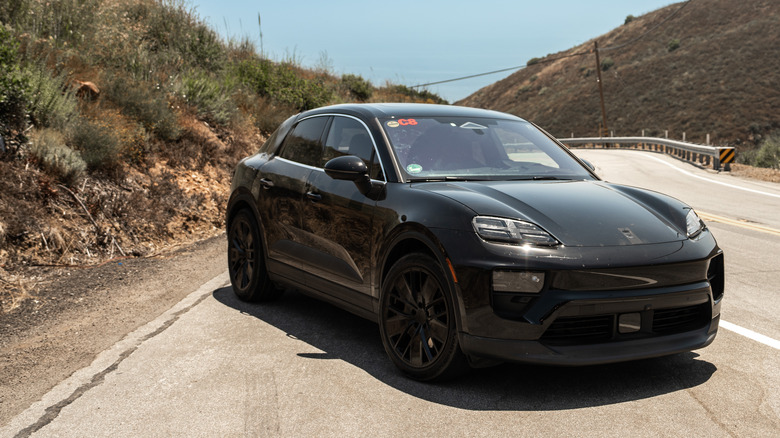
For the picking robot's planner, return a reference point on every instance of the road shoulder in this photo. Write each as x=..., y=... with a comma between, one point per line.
x=85, y=311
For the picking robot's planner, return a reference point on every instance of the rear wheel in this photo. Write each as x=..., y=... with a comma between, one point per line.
x=417, y=320
x=246, y=261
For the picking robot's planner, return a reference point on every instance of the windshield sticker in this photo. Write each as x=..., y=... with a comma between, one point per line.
x=393, y=124
x=414, y=168
x=472, y=125
x=407, y=122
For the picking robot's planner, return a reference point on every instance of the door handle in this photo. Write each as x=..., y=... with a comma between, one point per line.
x=266, y=183
x=316, y=197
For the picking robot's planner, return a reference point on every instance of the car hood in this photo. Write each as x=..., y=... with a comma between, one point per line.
x=577, y=213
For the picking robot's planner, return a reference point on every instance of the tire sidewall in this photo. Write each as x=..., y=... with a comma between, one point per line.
x=250, y=292
x=445, y=362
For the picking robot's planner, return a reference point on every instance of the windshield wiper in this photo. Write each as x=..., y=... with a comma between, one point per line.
x=445, y=178
x=550, y=178
x=541, y=178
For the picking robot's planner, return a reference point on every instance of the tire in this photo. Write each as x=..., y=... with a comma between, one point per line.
x=246, y=260
x=417, y=320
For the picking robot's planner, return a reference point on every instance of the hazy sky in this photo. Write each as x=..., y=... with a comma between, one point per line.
x=416, y=42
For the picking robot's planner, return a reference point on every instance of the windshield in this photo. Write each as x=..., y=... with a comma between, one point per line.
x=436, y=148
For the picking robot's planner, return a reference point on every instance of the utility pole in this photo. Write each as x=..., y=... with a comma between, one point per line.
x=604, y=129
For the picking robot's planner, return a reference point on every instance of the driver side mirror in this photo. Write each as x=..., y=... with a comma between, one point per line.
x=350, y=168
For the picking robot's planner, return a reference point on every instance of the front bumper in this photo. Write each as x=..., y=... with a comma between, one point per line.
x=598, y=305
x=592, y=354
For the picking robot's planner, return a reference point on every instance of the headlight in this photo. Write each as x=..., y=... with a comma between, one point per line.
x=497, y=229
x=693, y=224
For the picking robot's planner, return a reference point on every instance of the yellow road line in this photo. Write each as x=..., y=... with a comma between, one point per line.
x=739, y=223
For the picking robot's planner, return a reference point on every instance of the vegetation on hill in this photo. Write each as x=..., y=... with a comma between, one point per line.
x=713, y=68
x=121, y=121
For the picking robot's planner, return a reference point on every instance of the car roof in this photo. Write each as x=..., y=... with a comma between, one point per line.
x=405, y=110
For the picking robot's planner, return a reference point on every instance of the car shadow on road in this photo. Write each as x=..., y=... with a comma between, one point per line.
x=344, y=336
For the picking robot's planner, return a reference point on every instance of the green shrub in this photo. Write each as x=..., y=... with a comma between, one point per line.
x=211, y=99
x=673, y=44
x=766, y=155
x=265, y=115
x=418, y=95
x=357, y=86
x=61, y=21
x=146, y=103
x=175, y=32
x=49, y=105
x=283, y=84
x=629, y=18
x=13, y=86
x=11, y=11
x=98, y=144
x=49, y=149
x=533, y=61
x=606, y=64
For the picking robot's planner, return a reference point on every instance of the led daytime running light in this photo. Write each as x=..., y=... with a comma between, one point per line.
x=511, y=231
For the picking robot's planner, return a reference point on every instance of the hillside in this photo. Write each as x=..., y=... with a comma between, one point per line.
x=714, y=67
x=121, y=122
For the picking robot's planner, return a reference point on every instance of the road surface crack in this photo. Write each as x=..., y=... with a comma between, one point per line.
x=52, y=412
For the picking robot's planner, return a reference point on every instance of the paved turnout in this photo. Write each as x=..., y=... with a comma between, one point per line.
x=214, y=366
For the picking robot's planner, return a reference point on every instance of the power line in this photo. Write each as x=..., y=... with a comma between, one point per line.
x=543, y=61
x=548, y=60
x=468, y=77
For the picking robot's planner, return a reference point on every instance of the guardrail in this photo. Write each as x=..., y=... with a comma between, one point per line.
x=697, y=153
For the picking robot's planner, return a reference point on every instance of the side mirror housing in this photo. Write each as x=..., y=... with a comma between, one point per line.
x=350, y=168
x=589, y=164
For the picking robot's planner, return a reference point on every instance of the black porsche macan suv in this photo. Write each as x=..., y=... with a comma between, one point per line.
x=471, y=237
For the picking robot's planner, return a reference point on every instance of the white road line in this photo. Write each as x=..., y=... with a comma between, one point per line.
x=48, y=407
x=758, y=337
x=712, y=180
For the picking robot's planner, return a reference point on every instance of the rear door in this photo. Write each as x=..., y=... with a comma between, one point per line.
x=283, y=181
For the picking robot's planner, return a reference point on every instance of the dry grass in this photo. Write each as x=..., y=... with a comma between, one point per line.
x=15, y=289
x=758, y=173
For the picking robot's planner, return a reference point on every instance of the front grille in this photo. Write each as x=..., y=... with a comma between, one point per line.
x=681, y=319
x=580, y=330
x=584, y=330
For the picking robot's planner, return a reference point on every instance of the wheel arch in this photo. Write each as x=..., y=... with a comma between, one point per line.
x=242, y=199
x=424, y=242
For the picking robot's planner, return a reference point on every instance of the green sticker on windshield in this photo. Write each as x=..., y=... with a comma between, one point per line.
x=414, y=168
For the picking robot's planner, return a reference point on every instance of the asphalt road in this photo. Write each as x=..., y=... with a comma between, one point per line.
x=214, y=366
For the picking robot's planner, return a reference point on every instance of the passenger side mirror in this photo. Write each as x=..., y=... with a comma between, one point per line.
x=350, y=168
x=589, y=164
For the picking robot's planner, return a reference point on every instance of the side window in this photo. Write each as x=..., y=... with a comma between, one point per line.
x=303, y=145
x=272, y=144
x=347, y=136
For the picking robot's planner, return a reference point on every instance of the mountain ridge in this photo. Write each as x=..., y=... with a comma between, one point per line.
x=699, y=67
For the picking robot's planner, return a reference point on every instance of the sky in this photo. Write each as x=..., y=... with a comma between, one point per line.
x=417, y=42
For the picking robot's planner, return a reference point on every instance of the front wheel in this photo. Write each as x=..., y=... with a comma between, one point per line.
x=417, y=320
x=246, y=261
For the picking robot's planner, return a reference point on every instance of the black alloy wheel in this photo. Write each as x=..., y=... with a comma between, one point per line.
x=417, y=321
x=246, y=262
